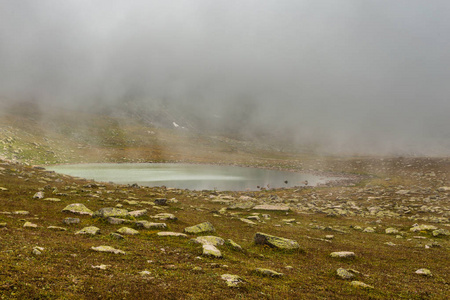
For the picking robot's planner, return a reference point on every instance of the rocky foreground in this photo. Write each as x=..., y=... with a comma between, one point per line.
x=384, y=237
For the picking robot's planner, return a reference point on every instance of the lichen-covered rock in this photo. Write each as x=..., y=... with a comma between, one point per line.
x=52, y=199
x=57, y=228
x=170, y=233
x=268, y=207
x=369, y=229
x=77, y=208
x=343, y=254
x=116, y=236
x=108, y=249
x=441, y=232
x=164, y=217
x=275, y=241
x=115, y=212
x=161, y=201
x=209, y=240
x=267, y=272
x=38, y=195
x=232, y=280
x=127, y=231
x=150, y=225
x=391, y=230
x=360, y=284
x=115, y=221
x=424, y=272
x=90, y=230
x=200, y=228
x=212, y=251
x=418, y=228
x=138, y=213
x=344, y=274
x=71, y=221
x=29, y=225
x=234, y=245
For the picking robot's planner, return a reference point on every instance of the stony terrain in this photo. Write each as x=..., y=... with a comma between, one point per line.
x=382, y=234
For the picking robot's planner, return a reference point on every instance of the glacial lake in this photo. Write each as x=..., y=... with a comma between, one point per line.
x=190, y=176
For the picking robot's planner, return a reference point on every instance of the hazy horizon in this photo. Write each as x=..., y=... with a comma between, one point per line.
x=352, y=77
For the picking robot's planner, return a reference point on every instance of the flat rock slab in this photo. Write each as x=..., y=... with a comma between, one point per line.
x=108, y=249
x=267, y=272
x=127, y=231
x=71, y=221
x=115, y=212
x=200, y=228
x=209, y=240
x=90, y=230
x=164, y=217
x=424, y=272
x=269, y=207
x=29, y=225
x=57, y=228
x=343, y=254
x=275, y=241
x=170, y=233
x=150, y=225
x=77, y=208
x=232, y=280
x=211, y=251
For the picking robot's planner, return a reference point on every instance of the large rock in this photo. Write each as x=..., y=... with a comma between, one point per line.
x=138, y=213
x=107, y=212
x=268, y=207
x=77, y=208
x=200, y=228
x=275, y=242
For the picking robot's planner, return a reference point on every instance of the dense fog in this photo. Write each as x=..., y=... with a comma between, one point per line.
x=346, y=76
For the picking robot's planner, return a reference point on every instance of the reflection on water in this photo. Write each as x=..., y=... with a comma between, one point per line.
x=191, y=176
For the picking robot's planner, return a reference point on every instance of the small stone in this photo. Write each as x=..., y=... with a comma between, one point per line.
x=234, y=245
x=275, y=242
x=164, y=217
x=150, y=225
x=170, y=233
x=391, y=230
x=424, y=272
x=247, y=221
x=369, y=229
x=161, y=201
x=90, y=230
x=343, y=254
x=127, y=231
x=418, y=228
x=57, y=228
x=267, y=272
x=268, y=207
x=138, y=213
x=52, y=199
x=38, y=195
x=209, y=240
x=441, y=232
x=115, y=221
x=360, y=284
x=29, y=225
x=101, y=267
x=344, y=274
x=3, y=224
x=37, y=250
x=71, y=221
x=329, y=237
x=107, y=249
x=116, y=236
x=200, y=228
x=145, y=273
x=107, y=212
x=21, y=212
x=212, y=251
x=77, y=208
x=232, y=280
